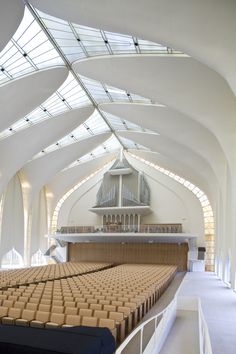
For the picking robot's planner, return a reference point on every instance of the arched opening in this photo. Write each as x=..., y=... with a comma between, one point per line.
x=11, y=260
x=38, y=259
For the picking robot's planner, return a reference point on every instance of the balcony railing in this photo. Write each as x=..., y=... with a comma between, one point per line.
x=116, y=228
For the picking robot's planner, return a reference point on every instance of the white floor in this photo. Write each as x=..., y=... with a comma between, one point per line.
x=182, y=337
x=219, y=308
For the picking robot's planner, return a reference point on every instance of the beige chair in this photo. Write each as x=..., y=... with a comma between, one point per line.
x=127, y=315
x=117, y=303
x=108, y=323
x=3, y=297
x=118, y=317
x=44, y=308
x=104, y=302
x=19, y=305
x=57, y=309
x=69, y=298
x=71, y=310
x=85, y=312
x=100, y=314
x=34, y=300
x=92, y=301
x=134, y=310
x=95, y=306
x=40, y=319
x=89, y=321
x=13, y=297
x=26, y=317
x=79, y=299
x=56, y=320
x=109, y=307
x=45, y=301
x=3, y=311
x=31, y=306
x=99, y=297
x=69, y=304
x=82, y=305
x=72, y=320
x=13, y=314
x=7, y=303
x=57, y=302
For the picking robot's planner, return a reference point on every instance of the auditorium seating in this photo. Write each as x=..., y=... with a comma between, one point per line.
x=42, y=273
x=116, y=298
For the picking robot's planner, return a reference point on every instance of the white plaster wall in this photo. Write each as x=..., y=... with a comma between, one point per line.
x=64, y=217
x=12, y=228
x=80, y=214
x=38, y=223
x=167, y=205
x=170, y=203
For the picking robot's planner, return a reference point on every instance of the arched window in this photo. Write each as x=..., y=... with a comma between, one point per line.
x=12, y=259
x=38, y=259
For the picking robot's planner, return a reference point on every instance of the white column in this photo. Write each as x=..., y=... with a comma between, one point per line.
x=120, y=191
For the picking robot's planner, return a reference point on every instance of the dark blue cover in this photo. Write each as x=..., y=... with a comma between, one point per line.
x=71, y=340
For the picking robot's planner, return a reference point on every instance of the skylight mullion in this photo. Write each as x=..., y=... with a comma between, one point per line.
x=136, y=44
x=63, y=100
x=106, y=42
x=77, y=37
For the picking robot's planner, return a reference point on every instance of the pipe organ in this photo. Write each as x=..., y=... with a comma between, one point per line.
x=123, y=197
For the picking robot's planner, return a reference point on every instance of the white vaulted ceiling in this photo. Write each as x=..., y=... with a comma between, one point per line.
x=40, y=171
x=177, y=152
x=11, y=15
x=21, y=96
x=202, y=29
x=14, y=154
x=82, y=79
x=180, y=83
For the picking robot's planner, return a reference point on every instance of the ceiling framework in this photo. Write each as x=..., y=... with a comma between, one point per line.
x=77, y=47
x=68, y=65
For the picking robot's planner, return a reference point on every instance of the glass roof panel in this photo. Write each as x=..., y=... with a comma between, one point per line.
x=28, y=50
x=104, y=93
x=121, y=124
x=93, y=42
x=130, y=144
x=70, y=95
x=92, y=126
x=110, y=145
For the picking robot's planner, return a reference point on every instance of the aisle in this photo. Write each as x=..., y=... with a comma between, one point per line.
x=219, y=308
x=182, y=338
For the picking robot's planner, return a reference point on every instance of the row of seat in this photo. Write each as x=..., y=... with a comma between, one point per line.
x=42, y=273
x=46, y=319
x=119, y=296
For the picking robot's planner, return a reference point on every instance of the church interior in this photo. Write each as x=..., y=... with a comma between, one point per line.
x=117, y=177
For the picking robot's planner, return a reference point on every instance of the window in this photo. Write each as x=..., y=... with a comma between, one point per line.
x=11, y=260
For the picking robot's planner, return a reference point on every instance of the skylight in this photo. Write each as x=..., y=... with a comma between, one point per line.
x=78, y=42
x=29, y=50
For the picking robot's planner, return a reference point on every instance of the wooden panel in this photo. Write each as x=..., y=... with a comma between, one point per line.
x=157, y=253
